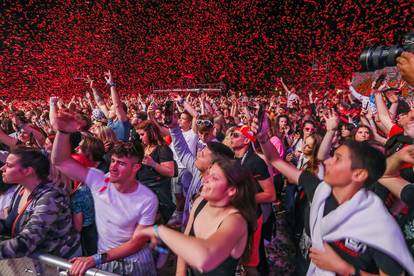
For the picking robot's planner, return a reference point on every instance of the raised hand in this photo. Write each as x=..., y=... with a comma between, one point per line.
x=66, y=122
x=53, y=100
x=90, y=81
x=108, y=77
x=331, y=120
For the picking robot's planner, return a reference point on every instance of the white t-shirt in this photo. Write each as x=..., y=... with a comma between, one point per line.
x=192, y=139
x=118, y=214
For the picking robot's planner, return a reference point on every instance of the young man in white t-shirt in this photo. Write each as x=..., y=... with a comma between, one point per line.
x=122, y=205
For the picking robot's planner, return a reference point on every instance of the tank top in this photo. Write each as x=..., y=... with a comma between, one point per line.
x=227, y=267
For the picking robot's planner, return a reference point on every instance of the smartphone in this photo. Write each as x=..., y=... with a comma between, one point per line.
x=168, y=112
x=260, y=117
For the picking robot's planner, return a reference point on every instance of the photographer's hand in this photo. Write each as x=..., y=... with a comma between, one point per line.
x=406, y=65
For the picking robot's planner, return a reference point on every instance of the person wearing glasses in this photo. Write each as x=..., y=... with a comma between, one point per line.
x=241, y=143
x=123, y=205
x=205, y=131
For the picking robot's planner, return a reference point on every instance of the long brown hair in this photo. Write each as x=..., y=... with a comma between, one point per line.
x=313, y=163
x=244, y=199
x=154, y=134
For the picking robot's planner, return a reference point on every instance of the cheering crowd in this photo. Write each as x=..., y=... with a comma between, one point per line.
x=121, y=183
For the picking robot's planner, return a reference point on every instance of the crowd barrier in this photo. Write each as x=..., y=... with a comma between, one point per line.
x=42, y=265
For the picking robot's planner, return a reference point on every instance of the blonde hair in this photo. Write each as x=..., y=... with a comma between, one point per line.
x=106, y=135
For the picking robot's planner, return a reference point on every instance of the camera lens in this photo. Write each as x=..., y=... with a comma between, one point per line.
x=378, y=57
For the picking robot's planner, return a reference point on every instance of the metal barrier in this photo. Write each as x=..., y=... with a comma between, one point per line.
x=44, y=264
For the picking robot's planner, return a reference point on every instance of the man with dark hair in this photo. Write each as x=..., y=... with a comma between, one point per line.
x=351, y=231
x=122, y=205
x=39, y=218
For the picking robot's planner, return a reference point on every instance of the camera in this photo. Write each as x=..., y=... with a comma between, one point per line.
x=378, y=57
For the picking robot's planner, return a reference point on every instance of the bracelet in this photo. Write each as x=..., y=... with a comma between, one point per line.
x=156, y=231
x=98, y=259
x=64, y=132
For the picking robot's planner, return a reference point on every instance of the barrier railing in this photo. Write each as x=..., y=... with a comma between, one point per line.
x=43, y=264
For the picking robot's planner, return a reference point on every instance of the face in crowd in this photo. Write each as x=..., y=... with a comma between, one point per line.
x=308, y=129
x=216, y=187
x=362, y=134
x=238, y=140
x=185, y=121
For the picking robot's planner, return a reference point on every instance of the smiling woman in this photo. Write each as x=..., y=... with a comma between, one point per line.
x=221, y=225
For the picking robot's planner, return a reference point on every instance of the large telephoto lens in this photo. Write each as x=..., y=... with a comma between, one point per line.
x=378, y=57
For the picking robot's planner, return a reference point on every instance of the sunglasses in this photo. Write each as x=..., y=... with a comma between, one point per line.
x=207, y=123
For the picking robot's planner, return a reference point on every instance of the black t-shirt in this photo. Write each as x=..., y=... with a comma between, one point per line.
x=357, y=254
x=256, y=166
x=148, y=175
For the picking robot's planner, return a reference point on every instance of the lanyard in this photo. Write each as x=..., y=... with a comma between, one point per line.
x=20, y=214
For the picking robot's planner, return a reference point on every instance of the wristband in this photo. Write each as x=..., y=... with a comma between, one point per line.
x=181, y=102
x=156, y=231
x=112, y=84
x=98, y=259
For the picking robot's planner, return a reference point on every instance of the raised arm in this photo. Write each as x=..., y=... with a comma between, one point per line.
x=9, y=141
x=66, y=124
x=98, y=97
x=273, y=156
x=384, y=116
x=120, y=112
x=331, y=121
x=284, y=87
x=190, y=109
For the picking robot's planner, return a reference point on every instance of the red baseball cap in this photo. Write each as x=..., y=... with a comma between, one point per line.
x=247, y=132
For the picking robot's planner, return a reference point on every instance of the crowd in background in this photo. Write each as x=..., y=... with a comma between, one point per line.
x=121, y=182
